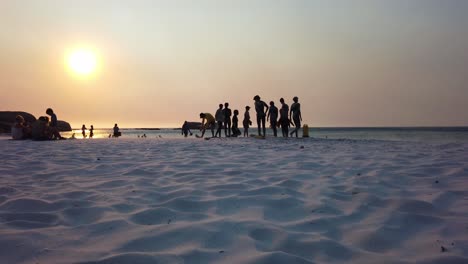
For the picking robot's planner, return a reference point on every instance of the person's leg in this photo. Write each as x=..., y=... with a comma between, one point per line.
x=273, y=126
x=212, y=130
x=259, y=120
x=229, y=124
x=297, y=123
x=263, y=126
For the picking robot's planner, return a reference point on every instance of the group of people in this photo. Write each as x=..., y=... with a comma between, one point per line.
x=41, y=129
x=284, y=118
x=91, y=131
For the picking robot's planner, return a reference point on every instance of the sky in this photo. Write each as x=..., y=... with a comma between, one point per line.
x=351, y=63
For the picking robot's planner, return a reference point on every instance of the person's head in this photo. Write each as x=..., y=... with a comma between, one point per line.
x=236, y=112
x=83, y=126
x=185, y=122
x=272, y=103
x=202, y=115
x=49, y=111
x=220, y=106
x=115, y=125
x=256, y=98
x=44, y=119
x=226, y=105
x=247, y=108
x=295, y=99
x=19, y=119
x=92, y=126
x=282, y=100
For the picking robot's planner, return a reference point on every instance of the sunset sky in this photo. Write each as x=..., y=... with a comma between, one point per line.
x=351, y=63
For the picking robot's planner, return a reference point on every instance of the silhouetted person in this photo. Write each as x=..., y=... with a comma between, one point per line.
x=116, y=131
x=284, y=121
x=91, y=132
x=208, y=121
x=261, y=113
x=296, y=115
x=246, y=122
x=83, y=131
x=53, y=124
x=227, y=120
x=219, y=120
x=40, y=129
x=186, y=129
x=235, y=124
x=273, y=116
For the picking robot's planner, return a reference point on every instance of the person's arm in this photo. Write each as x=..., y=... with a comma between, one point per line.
x=268, y=116
x=202, y=123
x=266, y=106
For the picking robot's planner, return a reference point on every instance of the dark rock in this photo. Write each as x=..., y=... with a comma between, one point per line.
x=443, y=249
x=63, y=126
x=7, y=118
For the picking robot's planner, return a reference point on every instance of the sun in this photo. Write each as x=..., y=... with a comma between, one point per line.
x=82, y=62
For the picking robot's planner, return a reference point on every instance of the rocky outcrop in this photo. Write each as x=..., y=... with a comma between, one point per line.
x=63, y=126
x=7, y=118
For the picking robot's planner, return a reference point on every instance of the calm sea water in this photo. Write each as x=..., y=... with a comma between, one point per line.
x=425, y=134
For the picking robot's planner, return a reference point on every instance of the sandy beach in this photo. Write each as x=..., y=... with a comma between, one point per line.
x=239, y=200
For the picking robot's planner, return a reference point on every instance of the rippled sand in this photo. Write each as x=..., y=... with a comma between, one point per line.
x=233, y=201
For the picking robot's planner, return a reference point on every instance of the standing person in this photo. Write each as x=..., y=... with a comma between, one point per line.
x=296, y=115
x=235, y=124
x=116, y=131
x=91, y=132
x=83, y=131
x=208, y=121
x=284, y=121
x=273, y=116
x=227, y=120
x=246, y=122
x=53, y=124
x=260, y=109
x=219, y=119
x=186, y=129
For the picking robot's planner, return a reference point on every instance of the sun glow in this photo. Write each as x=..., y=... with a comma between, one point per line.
x=82, y=62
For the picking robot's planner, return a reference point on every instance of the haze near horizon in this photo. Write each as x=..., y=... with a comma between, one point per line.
x=158, y=63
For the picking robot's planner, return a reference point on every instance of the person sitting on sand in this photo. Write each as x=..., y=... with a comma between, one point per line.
x=83, y=131
x=186, y=129
x=235, y=124
x=40, y=129
x=273, y=116
x=227, y=120
x=296, y=115
x=284, y=121
x=116, y=131
x=260, y=109
x=219, y=120
x=246, y=122
x=53, y=124
x=208, y=121
x=91, y=132
x=18, y=128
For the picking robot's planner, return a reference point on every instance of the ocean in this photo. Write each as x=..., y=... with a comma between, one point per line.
x=410, y=134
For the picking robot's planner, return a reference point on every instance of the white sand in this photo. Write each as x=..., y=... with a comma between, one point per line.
x=232, y=201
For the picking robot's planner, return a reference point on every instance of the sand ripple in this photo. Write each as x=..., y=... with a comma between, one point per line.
x=233, y=201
